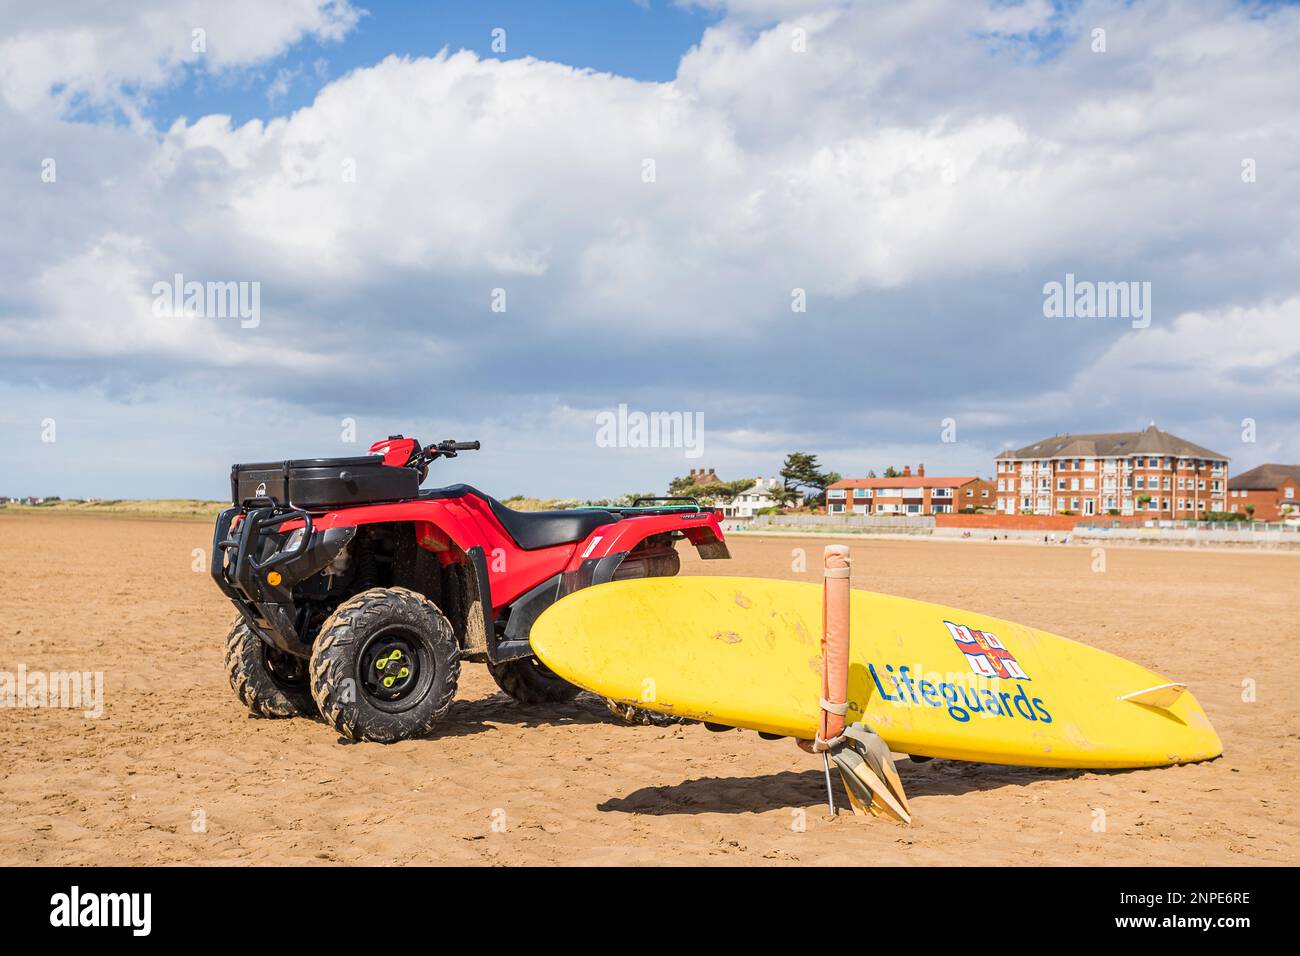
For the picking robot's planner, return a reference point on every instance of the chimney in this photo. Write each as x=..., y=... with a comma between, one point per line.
x=920, y=471
x=907, y=471
x=692, y=472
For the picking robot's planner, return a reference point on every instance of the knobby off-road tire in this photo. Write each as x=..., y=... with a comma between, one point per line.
x=529, y=681
x=268, y=682
x=384, y=666
x=639, y=716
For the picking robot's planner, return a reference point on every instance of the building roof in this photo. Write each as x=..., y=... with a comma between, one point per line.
x=1264, y=478
x=1150, y=441
x=905, y=481
x=704, y=476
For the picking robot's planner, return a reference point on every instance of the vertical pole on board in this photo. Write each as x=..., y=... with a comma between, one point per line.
x=836, y=568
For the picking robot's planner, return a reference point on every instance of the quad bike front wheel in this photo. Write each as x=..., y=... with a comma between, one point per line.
x=529, y=681
x=384, y=666
x=270, y=683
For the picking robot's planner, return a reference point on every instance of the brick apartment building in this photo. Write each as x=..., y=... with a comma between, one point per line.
x=1150, y=473
x=1270, y=492
x=908, y=494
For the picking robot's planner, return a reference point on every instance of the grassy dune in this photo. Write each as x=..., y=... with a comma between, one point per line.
x=124, y=508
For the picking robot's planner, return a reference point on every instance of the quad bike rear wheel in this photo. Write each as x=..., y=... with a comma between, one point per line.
x=384, y=666
x=640, y=717
x=656, y=560
x=529, y=681
x=270, y=683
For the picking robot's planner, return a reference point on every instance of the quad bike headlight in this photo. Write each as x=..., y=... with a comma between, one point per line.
x=295, y=539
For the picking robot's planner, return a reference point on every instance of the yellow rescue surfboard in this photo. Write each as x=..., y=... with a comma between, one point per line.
x=931, y=680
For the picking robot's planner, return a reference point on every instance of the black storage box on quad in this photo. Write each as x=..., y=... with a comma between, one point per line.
x=322, y=483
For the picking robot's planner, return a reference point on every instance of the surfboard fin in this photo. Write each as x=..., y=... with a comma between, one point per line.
x=1162, y=696
x=869, y=775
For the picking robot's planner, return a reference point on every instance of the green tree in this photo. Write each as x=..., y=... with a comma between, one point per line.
x=684, y=486
x=784, y=496
x=723, y=492
x=802, y=472
x=891, y=472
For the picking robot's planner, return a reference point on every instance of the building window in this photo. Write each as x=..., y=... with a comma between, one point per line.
x=837, y=509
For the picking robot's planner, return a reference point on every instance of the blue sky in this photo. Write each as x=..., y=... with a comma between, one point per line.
x=823, y=226
x=640, y=40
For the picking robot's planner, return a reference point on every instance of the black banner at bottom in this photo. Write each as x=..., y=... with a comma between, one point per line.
x=333, y=905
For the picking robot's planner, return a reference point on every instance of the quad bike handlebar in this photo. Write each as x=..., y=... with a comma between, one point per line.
x=450, y=448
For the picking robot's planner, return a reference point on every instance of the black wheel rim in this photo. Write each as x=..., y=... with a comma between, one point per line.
x=395, y=668
x=286, y=671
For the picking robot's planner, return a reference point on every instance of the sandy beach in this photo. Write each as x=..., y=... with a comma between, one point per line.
x=176, y=771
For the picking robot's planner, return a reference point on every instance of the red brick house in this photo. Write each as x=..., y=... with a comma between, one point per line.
x=1266, y=493
x=908, y=494
x=1149, y=473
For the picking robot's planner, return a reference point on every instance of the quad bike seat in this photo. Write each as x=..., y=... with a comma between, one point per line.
x=532, y=530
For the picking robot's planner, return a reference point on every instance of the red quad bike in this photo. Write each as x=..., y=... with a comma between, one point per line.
x=359, y=594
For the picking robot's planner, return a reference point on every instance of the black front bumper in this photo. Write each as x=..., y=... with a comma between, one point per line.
x=243, y=562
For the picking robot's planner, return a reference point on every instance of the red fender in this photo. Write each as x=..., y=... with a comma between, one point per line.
x=468, y=522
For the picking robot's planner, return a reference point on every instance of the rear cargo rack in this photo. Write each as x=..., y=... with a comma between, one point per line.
x=691, y=503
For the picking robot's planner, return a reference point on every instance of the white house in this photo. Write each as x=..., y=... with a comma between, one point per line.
x=756, y=496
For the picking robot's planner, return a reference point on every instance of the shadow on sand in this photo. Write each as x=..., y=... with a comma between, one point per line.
x=807, y=788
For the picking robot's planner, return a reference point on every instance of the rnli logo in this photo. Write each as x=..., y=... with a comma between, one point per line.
x=260, y=491
x=985, y=654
